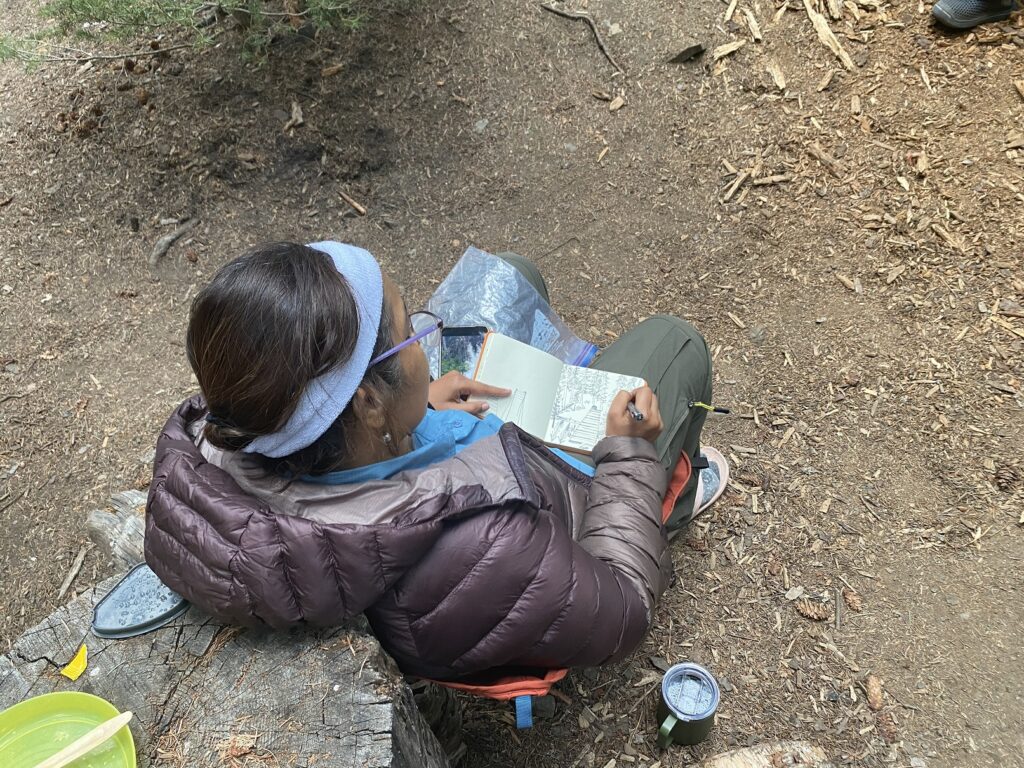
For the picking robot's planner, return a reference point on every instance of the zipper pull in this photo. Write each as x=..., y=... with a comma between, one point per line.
x=706, y=407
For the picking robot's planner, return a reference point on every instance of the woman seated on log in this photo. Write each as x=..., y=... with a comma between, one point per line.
x=322, y=474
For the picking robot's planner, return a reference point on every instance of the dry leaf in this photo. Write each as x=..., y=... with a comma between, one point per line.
x=873, y=688
x=812, y=609
x=853, y=600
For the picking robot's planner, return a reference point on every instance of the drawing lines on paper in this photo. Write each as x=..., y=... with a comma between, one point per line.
x=511, y=408
x=580, y=412
x=579, y=430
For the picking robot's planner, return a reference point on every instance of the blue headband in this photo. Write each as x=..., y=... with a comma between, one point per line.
x=326, y=396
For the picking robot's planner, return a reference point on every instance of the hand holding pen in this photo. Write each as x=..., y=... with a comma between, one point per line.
x=635, y=414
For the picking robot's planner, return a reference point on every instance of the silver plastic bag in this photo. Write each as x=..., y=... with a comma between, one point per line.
x=485, y=290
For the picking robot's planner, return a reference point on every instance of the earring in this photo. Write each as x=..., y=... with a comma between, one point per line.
x=387, y=439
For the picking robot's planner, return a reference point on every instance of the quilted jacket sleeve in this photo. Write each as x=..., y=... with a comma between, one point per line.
x=618, y=566
x=622, y=523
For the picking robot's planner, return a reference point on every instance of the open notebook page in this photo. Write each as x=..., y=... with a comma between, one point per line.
x=532, y=376
x=579, y=413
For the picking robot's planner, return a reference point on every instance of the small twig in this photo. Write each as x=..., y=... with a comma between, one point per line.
x=76, y=566
x=165, y=242
x=593, y=28
x=824, y=158
x=740, y=180
x=12, y=502
x=867, y=506
x=360, y=209
x=850, y=530
x=903, y=704
x=768, y=180
x=29, y=56
x=5, y=398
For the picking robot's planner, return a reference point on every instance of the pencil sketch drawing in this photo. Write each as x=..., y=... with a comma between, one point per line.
x=580, y=412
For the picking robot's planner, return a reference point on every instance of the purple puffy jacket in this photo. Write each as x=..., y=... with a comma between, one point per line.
x=503, y=556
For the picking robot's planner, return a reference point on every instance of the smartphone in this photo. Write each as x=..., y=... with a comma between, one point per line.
x=460, y=348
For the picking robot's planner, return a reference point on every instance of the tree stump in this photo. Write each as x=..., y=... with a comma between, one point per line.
x=206, y=694
x=779, y=754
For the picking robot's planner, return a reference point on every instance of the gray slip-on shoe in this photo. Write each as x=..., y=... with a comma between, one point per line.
x=964, y=14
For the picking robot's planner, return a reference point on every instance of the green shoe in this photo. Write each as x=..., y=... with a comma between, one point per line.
x=964, y=14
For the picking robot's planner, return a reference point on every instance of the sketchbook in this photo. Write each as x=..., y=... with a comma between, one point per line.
x=562, y=404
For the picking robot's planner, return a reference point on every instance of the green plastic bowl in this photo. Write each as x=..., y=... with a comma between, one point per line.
x=38, y=728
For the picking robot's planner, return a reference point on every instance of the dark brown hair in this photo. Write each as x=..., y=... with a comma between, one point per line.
x=269, y=322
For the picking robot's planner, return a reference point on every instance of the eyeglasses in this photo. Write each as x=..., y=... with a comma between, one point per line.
x=425, y=326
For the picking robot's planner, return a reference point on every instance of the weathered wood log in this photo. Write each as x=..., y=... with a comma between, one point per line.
x=779, y=754
x=205, y=694
x=118, y=531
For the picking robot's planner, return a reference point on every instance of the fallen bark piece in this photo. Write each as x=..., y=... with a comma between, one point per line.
x=164, y=243
x=689, y=53
x=777, y=75
x=755, y=28
x=824, y=158
x=727, y=49
x=778, y=178
x=827, y=36
x=772, y=755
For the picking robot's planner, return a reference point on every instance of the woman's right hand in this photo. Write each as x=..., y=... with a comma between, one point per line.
x=621, y=423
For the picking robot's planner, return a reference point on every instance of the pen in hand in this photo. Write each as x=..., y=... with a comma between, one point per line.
x=636, y=413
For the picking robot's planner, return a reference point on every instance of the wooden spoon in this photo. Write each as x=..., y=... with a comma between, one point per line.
x=88, y=742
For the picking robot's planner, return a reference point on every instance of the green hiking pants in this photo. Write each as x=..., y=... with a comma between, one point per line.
x=673, y=358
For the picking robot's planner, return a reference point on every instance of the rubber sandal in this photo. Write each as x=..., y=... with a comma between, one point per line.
x=711, y=481
x=965, y=14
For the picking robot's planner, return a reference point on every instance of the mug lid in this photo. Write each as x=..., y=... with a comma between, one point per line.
x=690, y=691
x=137, y=604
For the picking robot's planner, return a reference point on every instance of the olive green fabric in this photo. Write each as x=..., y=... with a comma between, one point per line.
x=673, y=358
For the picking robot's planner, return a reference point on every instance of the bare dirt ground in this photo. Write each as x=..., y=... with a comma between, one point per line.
x=848, y=239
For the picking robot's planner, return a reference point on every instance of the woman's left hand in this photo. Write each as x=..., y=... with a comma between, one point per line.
x=451, y=392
